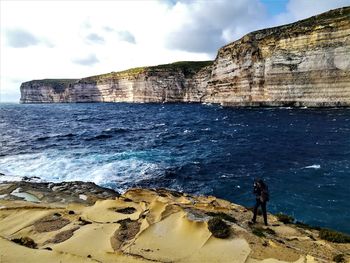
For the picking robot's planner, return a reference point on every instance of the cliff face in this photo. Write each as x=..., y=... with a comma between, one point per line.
x=306, y=63
x=177, y=82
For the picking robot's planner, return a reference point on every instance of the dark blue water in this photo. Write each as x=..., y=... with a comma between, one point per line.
x=303, y=154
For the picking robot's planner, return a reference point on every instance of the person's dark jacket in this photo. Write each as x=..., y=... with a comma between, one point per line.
x=261, y=192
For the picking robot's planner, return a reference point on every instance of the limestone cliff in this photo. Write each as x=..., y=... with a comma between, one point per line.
x=176, y=82
x=306, y=63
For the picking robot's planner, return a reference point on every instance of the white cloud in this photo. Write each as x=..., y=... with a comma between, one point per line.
x=206, y=25
x=88, y=60
x=19, y=38
x=94, y=38
x=126, y=36
x=74, y=39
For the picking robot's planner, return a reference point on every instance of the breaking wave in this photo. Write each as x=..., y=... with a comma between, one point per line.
x=303, y=154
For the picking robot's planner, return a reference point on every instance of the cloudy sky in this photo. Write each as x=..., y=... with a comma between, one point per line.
x=74, y=39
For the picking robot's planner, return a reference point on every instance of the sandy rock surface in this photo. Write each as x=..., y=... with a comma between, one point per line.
x=144, y=225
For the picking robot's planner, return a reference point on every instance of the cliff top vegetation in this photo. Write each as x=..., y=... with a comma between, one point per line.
x=188, y=68
x=58, y=85
x=340, y=16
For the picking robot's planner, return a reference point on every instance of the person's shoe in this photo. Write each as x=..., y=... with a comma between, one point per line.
x=251, y=222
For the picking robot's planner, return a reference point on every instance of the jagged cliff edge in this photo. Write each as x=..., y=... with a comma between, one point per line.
x=306, y=63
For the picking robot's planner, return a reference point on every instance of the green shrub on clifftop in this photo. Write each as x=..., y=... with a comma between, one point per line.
x=258, y=232
x=286, y=219
x=187, y=67
x=219, y=228
x=334, y=236
x=339, y=258
x=223, y=216
x=307, y=226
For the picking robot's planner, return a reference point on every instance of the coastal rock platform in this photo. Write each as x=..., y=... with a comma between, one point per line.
x=82, y=222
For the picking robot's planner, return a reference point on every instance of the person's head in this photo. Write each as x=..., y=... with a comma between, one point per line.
x=259, y=182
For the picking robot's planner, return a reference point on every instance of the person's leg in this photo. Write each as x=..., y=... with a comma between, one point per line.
x=255, y=211
x=263, y=207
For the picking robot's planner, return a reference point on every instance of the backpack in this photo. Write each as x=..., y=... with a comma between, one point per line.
x=265, y=195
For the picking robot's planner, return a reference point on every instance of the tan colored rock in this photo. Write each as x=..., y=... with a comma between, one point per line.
x=306, y=63
x=301, y=64
x=161, y=228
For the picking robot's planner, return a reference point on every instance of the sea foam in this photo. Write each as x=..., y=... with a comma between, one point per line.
x=57, y=166
x=314, y=166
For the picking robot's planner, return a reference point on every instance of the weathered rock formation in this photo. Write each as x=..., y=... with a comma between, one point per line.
x=177, y=82
x=149, y=225
x=306, y=63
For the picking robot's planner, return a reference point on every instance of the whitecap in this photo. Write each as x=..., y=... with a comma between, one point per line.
x=56, y=166
x=314, y=166
x=9, y=178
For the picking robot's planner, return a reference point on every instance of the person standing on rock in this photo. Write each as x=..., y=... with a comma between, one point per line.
x=261, y=192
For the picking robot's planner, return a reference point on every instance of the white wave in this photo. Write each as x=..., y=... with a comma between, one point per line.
x=57, y=166
x=10, y=178
x=314, y=166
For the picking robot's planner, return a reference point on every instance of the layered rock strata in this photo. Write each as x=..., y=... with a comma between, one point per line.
x=177, y=82
x=148, y=225
x=306, y=63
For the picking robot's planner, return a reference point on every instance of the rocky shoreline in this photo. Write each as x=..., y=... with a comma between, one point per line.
x=82, y=222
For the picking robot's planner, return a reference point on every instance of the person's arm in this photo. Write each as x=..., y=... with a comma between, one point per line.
x=255, y=189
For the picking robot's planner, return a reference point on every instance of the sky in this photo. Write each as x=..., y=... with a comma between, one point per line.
x=75, y=39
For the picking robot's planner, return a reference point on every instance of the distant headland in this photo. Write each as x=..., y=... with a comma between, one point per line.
x=306, y=63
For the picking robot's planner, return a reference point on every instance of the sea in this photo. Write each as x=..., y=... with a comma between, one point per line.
x=302, y=154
